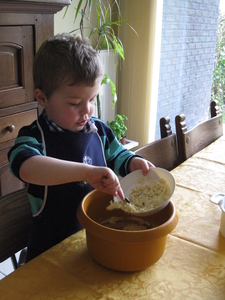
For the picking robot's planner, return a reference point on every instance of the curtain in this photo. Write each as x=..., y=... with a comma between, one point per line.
x=137, y=97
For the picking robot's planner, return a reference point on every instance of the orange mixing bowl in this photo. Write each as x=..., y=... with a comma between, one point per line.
x=120, y=249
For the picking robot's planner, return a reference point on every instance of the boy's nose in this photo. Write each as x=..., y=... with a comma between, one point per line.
x=85, y=109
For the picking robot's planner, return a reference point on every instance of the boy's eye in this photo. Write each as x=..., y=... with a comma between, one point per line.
x=78, y=104
x=74, y=104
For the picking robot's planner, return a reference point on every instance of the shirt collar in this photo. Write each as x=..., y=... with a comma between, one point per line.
x=88, y=128
x=51, y=124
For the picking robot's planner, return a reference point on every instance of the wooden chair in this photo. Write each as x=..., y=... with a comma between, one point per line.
x=191, y=141
x=214, y=108
x=162, y=153
x=15, y=218
x=165, y=128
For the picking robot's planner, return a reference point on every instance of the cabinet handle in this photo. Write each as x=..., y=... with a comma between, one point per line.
x=10, y=128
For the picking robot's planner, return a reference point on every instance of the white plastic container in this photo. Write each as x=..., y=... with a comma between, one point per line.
x=222, y=222
x=219, y=199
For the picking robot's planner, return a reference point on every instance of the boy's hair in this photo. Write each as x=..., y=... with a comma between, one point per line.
x=65, y=57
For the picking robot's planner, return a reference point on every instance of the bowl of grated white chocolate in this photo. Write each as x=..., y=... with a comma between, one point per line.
x=147, y=194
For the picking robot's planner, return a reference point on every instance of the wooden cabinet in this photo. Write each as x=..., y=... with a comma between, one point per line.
x=24, y=25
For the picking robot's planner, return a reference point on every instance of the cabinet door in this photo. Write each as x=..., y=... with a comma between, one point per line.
x=16, y=58
x=9, y=183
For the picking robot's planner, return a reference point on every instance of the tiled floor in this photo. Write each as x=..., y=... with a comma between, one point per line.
x=6, y=267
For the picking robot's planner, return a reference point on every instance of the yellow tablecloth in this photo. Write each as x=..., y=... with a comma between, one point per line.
x=192, y=266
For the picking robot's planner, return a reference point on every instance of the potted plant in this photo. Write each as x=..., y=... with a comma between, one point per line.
x=102, y=33
x=118, y=127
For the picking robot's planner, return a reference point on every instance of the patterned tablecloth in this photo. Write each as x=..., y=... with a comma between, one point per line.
x=192, y=266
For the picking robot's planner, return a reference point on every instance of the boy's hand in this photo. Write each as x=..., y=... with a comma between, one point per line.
x=138, y=163
x=104, y=179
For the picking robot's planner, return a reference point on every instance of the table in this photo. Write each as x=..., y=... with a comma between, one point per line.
x=192, y=266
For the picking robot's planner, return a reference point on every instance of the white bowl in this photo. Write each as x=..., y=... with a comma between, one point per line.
x=129, y=182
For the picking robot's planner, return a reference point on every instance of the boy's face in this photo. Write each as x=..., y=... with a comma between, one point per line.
x=70, y=107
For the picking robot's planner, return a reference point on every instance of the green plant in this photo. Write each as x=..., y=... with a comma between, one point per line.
x=106, y=80
x=118, y=127
x=218, y=83
x=102, y=32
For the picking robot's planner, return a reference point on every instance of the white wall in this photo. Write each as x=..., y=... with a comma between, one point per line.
x=222, y=5
x=66, y=24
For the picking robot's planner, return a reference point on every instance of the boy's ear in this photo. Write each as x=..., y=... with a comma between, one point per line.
x=40, y=97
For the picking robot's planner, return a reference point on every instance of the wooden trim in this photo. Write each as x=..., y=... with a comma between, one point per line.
x=33, y=6
x=18, y=108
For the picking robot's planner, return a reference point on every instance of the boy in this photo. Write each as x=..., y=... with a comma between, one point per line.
x=66, y=153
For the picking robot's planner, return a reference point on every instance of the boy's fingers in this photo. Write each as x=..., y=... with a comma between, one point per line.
x=120, y=194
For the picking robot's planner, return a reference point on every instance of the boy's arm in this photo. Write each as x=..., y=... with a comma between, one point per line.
x=119, y=158
x=44, y=170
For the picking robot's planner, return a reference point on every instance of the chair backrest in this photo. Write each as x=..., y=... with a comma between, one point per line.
x=191, y=141
x=214, y=108
x=165, y=128
x=15, y=218
x=162, y=153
